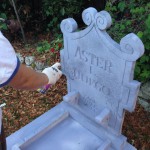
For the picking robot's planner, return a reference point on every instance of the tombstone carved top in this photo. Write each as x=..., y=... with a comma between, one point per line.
x=99, y=68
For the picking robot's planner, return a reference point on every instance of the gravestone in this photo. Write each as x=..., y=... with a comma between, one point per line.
x=100, y=86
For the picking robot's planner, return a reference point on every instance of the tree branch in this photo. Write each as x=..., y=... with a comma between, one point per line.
x=22, y=31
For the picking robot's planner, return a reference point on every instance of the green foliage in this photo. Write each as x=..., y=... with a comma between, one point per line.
x=43, y=46
x=2, y=25
x=54, y=46
x=122, y=6
x=58, y=10
x=57, y=43
x=45, y=14
x=3, y=14
x=133, y=16
x=143, y=66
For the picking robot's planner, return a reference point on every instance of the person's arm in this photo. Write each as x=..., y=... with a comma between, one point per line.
x=28, y=79
x=19, y=76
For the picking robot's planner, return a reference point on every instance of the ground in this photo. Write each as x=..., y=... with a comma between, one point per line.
x=24, y=106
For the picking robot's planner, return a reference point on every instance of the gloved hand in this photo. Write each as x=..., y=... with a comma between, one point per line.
x=53, y=73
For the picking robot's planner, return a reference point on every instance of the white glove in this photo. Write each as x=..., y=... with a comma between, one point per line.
x=53, y=73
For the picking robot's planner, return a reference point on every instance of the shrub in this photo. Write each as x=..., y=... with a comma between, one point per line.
x=57, y=10
x=133, y=16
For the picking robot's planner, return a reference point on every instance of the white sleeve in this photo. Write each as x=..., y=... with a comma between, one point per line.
x=9, y=63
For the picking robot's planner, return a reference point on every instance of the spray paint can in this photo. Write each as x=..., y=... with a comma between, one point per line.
x=44, y=89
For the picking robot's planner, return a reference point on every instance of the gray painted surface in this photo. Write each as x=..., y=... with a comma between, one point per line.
x=100, y=85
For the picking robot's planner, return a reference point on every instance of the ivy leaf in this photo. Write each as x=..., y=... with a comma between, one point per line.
x=137, y=69
x=3, y=26
x=121, y=6
x=147, y=22
x=144, y=59
x=62, y=11
x=140, y=34
x=145, y=74
x=3, y=15
x=122, y=27
x=128, y=22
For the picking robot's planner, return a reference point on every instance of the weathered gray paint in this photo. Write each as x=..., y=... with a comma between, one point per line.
x=100, y=85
